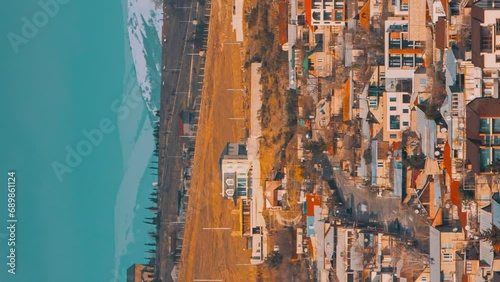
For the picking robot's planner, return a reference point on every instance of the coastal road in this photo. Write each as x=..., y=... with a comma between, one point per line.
x=176, y=66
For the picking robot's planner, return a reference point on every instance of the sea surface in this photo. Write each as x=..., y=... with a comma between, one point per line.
x=79, y=91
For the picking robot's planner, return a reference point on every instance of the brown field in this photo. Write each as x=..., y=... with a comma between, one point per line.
x=214, y=254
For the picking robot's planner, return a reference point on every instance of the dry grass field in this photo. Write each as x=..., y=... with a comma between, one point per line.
x=215, y=254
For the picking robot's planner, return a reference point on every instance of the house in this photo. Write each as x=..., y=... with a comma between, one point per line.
x=402, y=55
x=275, y=195
x=446, y=238
x=325, y=12
x=483, y=135
x=349, y=254
x=489, y=216
x=320, y=58
x=417, y=28
x=397, y=115
x=235, y=171
x=426, y=128
x=323, y=241
x=312, y=208
x=485, y=27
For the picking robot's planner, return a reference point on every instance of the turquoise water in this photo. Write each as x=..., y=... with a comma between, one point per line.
x=83, y=220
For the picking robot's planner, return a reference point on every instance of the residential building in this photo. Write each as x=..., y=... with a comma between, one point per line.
x=320, y=58
x=473, y=80
x=401, y=7
x=417, y=29
x=349, y=254
x=235, y=171
x=489, y=216
x=446, y=238
x=312, y=209
x=275, y=194
x=485, y=32
x=483, y=135
x=325, y=12
x=402, y=55
x=426, y=128
x=397, y=115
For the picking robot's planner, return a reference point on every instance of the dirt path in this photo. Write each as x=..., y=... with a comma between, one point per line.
x=214, y=254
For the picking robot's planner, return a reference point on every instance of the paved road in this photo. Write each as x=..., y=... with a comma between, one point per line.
x=381, y=209
x=176, y=65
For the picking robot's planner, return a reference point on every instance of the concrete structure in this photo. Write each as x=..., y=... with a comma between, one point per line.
x=483, y=135
x=325, y=12
x=446, y=238
x=235, y=171
x=472, y=80
x=417, y=30
x=401, y=7
x=488, y=256
x=397, y=116
x=402, y=55
x=426, y=129
x=485, y=32
x=140, y=273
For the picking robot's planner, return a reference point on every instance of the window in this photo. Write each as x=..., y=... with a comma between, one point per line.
x=447, y=257
x=320, y=60
x=394, y=122
x=497, y=57
x=497, y=26
x=406, y=98
x=496, y=125
x=320, y=68
x=405, y=111
x=392, y=99
x=423, y=82
x=405, y=123
x=380, y=164
x=392, y=108
x=392, y=136
x=448, y=246
x=484, y=125
x=408, y=61
x=394, y=61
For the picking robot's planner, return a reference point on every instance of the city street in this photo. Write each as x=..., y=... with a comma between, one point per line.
x=383, y=209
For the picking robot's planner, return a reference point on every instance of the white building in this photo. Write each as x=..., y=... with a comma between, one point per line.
x=235, y=169
x=402, y=56
x=325, y=12
x=396, y=115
